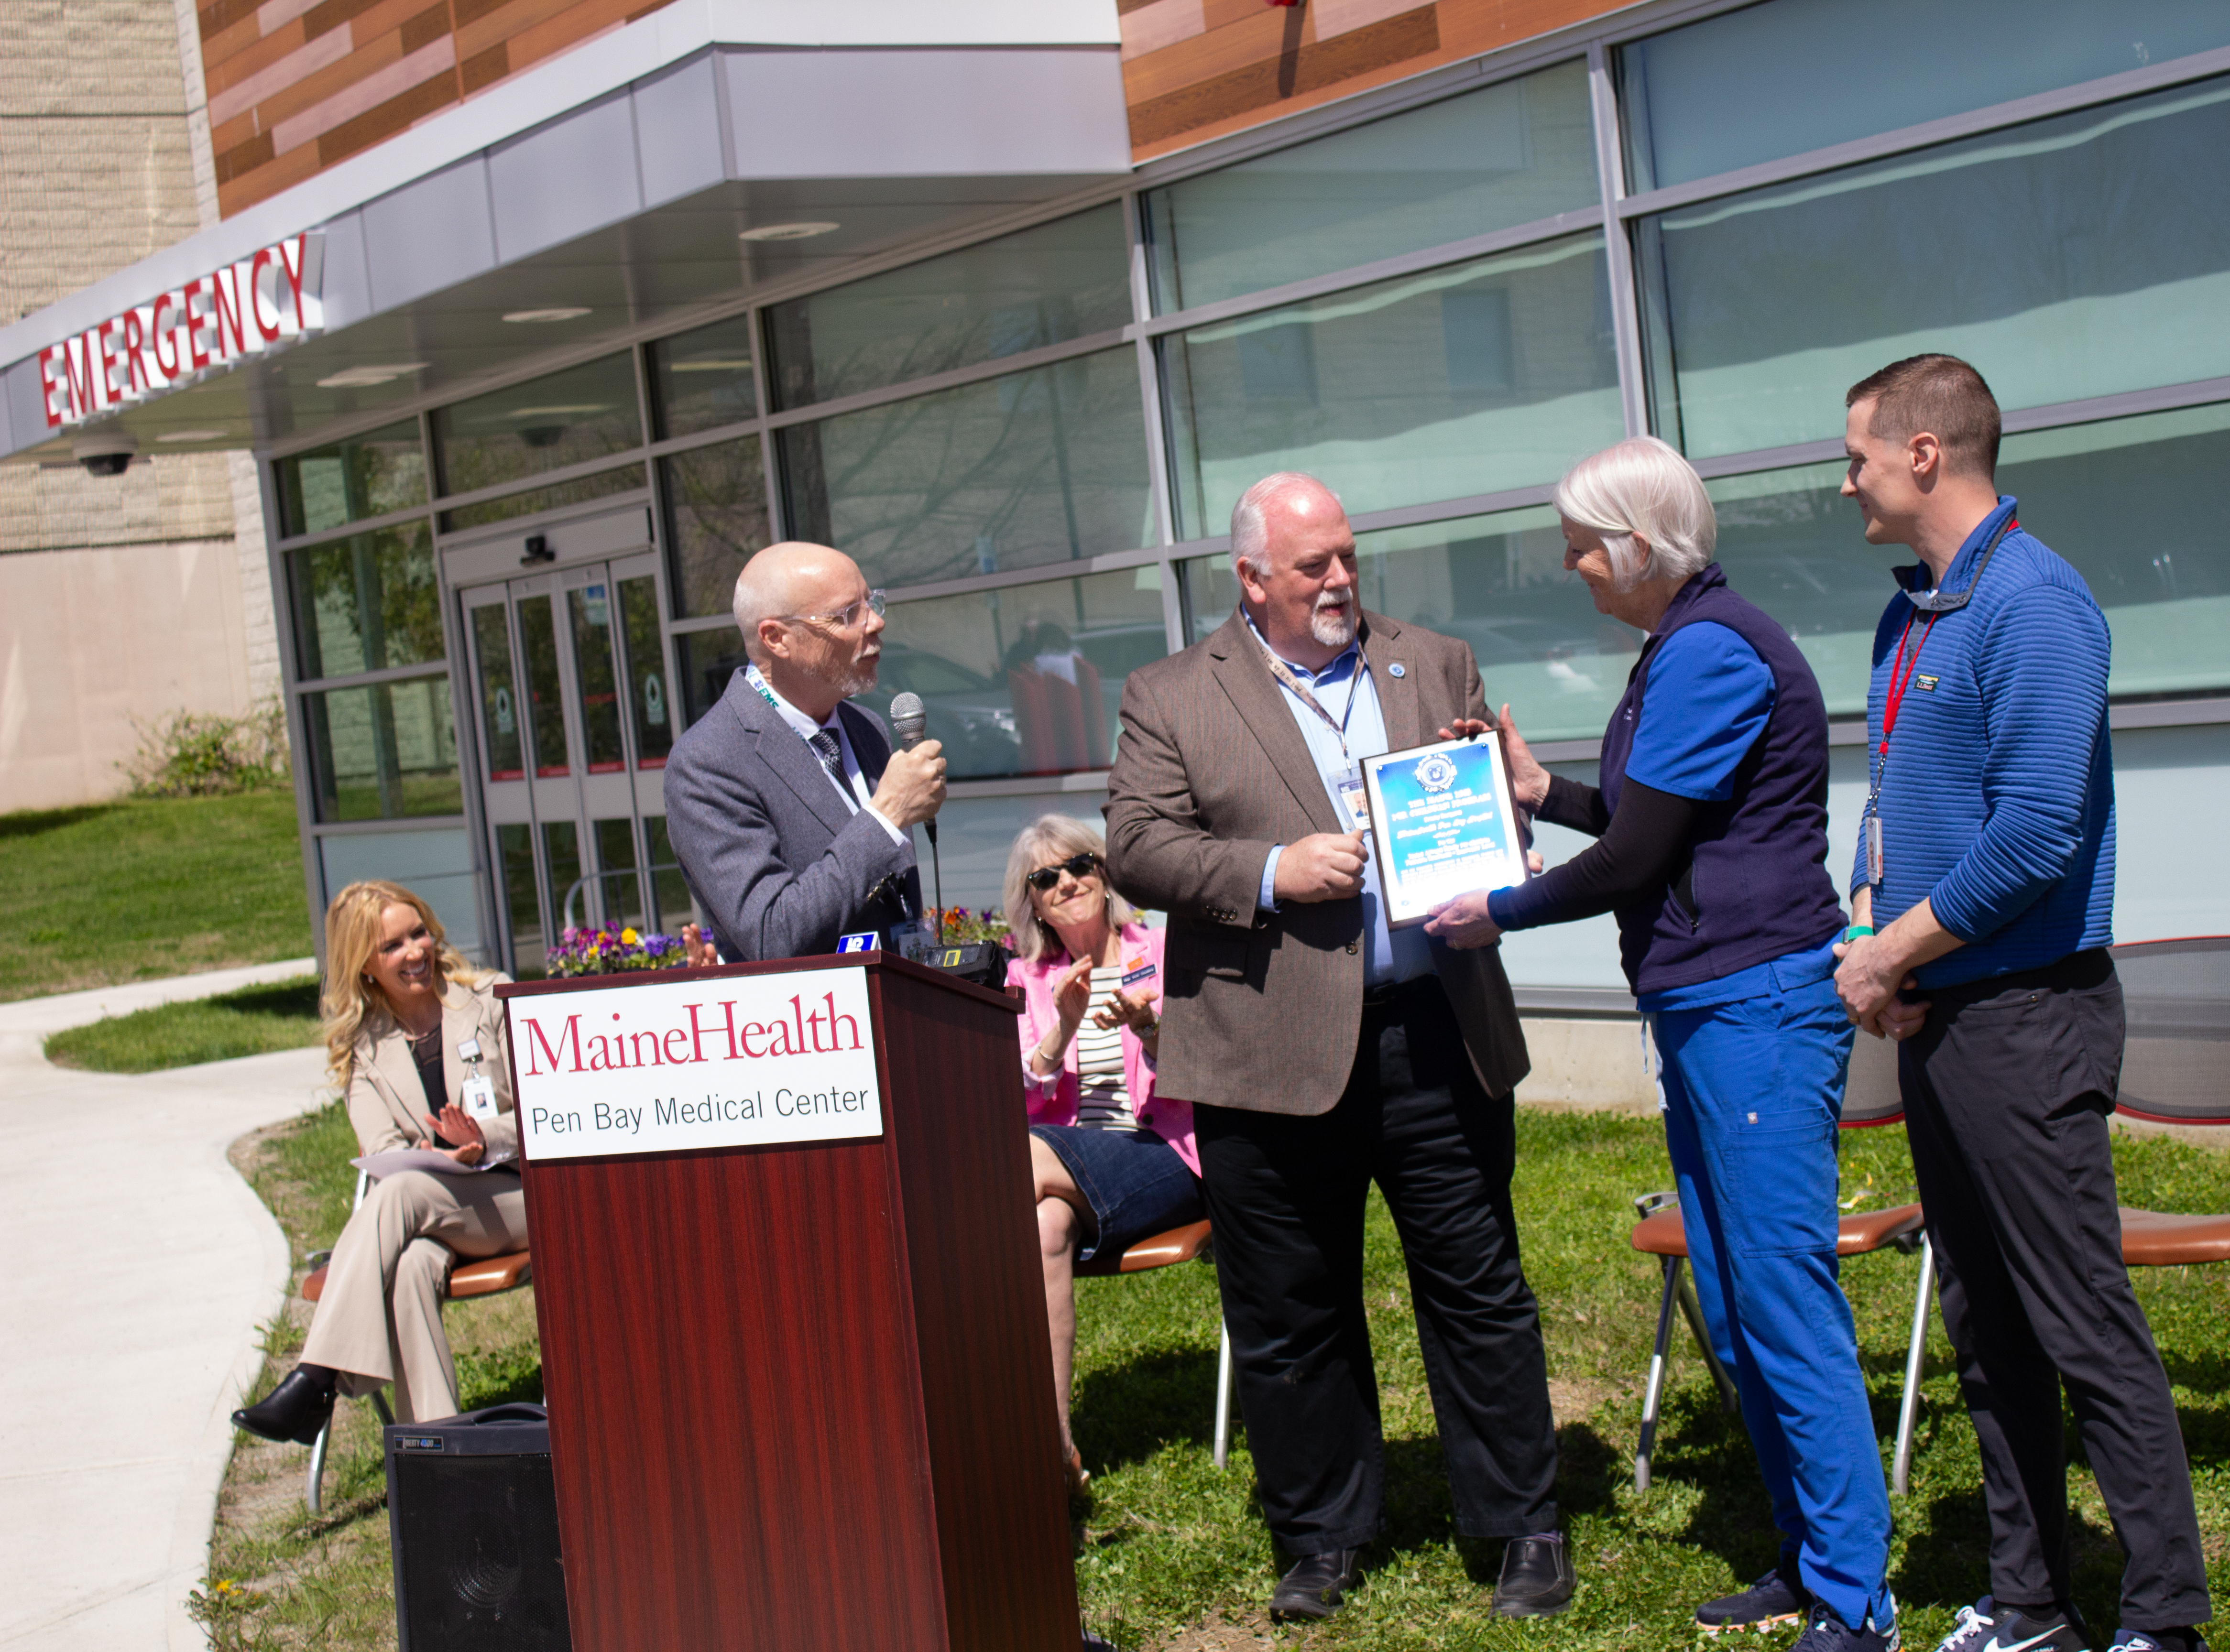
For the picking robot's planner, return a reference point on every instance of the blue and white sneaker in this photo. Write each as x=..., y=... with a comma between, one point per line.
x=1983, y=1627
x=2136, y=1640
x=1825, y=1632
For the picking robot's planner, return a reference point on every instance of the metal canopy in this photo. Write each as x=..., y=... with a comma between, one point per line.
x=619, y=181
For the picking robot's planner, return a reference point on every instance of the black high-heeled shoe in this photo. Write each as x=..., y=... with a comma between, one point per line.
x=296, y=1410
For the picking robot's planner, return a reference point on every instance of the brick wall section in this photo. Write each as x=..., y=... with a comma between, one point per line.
x=1196, y=69
x=294, y=86
x=128, y=597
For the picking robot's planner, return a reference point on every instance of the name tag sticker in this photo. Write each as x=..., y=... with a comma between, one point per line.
x=1140, y=969
x=1926, y=684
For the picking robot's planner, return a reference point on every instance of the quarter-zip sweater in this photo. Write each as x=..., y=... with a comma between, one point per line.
x=1997, y=794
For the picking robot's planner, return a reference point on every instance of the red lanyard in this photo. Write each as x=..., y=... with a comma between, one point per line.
x=1897, y=684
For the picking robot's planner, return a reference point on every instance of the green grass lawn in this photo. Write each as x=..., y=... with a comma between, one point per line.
x=1170, y=1547
x=146, y=888
x=250, y=1021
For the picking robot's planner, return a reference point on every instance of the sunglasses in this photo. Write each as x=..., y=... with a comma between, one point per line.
x=1076, y=866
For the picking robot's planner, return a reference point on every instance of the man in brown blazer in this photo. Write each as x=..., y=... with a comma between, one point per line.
x=1322, y=1051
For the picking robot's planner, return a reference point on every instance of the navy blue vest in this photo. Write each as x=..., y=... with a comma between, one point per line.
x=1751, y=885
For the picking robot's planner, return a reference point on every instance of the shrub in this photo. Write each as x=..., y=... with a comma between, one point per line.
x=206, y=754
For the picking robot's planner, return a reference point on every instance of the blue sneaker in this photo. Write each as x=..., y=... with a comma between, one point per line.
x=1776, y=1598
x=2136, y=1639
x=1826, y=1632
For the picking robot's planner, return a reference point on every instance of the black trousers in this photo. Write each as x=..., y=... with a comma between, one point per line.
x=2007, y=1089
x=1287, y=1197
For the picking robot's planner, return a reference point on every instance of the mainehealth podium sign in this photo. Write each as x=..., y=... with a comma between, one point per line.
x=656, y=1066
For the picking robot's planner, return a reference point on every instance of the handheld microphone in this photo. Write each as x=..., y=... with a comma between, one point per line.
x=909, y=722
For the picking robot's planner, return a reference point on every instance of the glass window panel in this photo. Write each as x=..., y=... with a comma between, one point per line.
x=707, y=659
x=1499, y=583
x=2074, y=257
x=362, y=476
x=1066, y=279
x=715, y=520
x=670, y=889
x=366, y=602
x=437, y=864
x=589, y=608
x=1467, y=166
x=582, y=489
x=545, y=716
x=514, y=848
x=561, y=857
x=545, y=424
x=616, y=874
x=384, y=751
x=647, y=695
x=1040, y=466
x=2135, y=504
x=501, y=726
x=1026, y=680
x=1487, y=375
x=1829, y=71
x=702, y=379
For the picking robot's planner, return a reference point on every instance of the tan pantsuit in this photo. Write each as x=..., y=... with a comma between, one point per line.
x=379, y=1320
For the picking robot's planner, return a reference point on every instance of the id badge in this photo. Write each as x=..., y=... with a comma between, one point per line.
x=1874, y=851
x=479, y=1097
x=1354, y=804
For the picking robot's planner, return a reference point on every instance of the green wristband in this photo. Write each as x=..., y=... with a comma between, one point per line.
x=1857, y=930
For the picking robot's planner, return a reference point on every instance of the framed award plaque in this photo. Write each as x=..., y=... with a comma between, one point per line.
x=1442, y=825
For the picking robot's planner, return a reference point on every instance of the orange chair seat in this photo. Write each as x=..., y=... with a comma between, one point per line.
x=486, y=1277
x=2163, y=1238
x=1178, y=1245
x=1661, y=1235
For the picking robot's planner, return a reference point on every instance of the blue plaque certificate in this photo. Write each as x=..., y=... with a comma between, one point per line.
x=1442, y=825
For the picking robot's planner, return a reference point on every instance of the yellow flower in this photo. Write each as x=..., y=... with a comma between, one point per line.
x=630, y=936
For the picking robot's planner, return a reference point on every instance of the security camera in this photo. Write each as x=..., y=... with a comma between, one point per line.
x=107, y=455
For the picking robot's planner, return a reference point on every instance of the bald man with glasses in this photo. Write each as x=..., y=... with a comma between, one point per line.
x=791, y=814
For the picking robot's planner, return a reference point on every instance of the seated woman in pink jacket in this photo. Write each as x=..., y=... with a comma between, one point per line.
x=1113, y=1162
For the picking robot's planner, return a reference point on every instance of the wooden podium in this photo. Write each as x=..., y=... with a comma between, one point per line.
x=800, y=1394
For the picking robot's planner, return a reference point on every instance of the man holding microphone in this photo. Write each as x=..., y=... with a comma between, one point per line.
x=1984, y=894
x=1322, y=1052
x=791, y=814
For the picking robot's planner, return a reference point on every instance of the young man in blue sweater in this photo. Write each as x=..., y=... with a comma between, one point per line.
x=1983, y=896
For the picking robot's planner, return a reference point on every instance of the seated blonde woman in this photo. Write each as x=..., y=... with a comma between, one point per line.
x=1112, y=1162
x=398, y=1001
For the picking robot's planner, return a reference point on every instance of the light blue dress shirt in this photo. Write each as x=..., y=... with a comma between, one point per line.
x=1388, y=957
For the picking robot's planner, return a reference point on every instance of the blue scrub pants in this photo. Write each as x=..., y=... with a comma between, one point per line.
x=1752, y=1091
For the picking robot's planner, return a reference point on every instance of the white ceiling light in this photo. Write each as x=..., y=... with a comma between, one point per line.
x=530, y=318
x=788, y=232
x=192, y=435
x=357, y=378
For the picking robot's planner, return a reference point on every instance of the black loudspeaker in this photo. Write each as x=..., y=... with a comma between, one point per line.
x=473, y=1511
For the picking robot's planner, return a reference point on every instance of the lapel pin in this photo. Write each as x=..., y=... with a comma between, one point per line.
x=1397, y=669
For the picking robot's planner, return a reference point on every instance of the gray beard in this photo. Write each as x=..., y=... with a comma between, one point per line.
x=1334, y=628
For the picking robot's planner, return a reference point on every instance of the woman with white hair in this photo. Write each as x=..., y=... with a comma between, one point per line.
x=1710, y=821
x=1113, y=1163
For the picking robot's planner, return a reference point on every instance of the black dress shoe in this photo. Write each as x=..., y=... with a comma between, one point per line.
x=1536, y=1577
x=1313, y=1588
x=296, y=1410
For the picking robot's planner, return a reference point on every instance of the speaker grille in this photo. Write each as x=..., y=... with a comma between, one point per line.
x=476, y=1559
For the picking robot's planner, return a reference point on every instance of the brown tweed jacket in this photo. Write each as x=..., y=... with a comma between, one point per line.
x=1261, y=1010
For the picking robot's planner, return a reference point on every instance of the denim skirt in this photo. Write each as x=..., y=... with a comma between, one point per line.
x=1134, y=1181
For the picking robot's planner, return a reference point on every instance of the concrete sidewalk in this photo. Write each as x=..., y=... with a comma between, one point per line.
x=141, y=1268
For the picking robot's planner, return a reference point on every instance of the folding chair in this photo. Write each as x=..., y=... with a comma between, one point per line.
x=2176, y=995
x=1192, y=1242
x=1870, y=1099
x=488, y=1277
